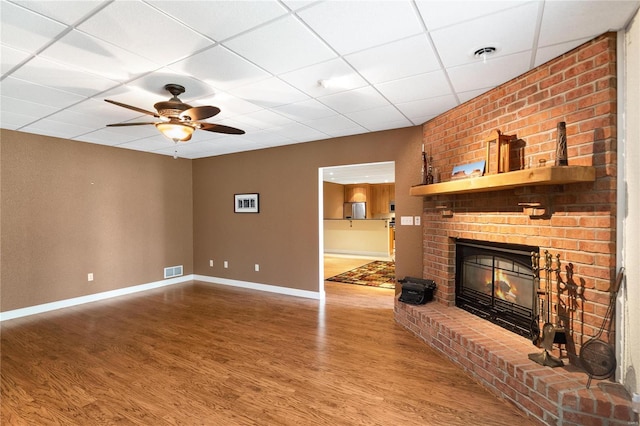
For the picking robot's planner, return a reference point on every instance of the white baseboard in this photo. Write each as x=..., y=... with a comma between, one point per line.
x=358, y=253
x=52, y=306
x=262, y=287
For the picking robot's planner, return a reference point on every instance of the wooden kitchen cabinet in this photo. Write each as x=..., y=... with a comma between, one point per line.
x=381, y=197
x=356, y=193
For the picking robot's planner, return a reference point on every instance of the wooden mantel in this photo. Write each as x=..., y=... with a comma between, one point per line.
x=552, y=175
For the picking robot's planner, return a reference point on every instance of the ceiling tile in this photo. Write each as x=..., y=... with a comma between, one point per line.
x=11, y=57
x=100, y=58
x=336, y=74
x=381, y=118
x=403, y=58
x=299, y=132
x=18, y=24
x=427, y=107
x=496, y=71
x=24, y=90
x=509, y=31
x=349, y=26
x=52, y=74
x=565, y=21
x=230, y=106
x=267, y=138
x=297, y=47
x=13, y=120
x=155, y=82
x=421, y=86
x=466, y=96
x=305, y=110
x=263, y=119
x=154, y=143
x=25, y=108
x=84, y=117
x=299, y=4
x=354, y=100
x=544, y=54
x=269, y=93
x=336, y=125
x=221, y=68
x=60, y=129
x=100, y=113
x=439, y=14
x=222, y=19
x=156, y=37
x=117, y=135
x=68, y=12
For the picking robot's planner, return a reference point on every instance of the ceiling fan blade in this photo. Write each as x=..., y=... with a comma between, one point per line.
x=143, y=111
x=200, y=112
x=219, y=128
x=129, y=124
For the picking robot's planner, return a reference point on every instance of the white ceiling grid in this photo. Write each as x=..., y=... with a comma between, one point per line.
x=386, y=64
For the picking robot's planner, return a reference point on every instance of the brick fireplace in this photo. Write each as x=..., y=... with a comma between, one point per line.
x=574, y=221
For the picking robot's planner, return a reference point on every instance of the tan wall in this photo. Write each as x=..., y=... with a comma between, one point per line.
x=333, y=202
x=71, y=208
x=284, y=237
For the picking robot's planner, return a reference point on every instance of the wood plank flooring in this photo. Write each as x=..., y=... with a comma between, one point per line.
x=203, y=354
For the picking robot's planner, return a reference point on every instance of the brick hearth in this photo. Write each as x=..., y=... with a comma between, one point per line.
x=498, y=360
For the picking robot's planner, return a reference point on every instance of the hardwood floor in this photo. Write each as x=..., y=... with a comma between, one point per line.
x=202, y=354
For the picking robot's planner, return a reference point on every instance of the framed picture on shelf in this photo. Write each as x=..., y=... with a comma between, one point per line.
x=468, y=170
x=246, y=203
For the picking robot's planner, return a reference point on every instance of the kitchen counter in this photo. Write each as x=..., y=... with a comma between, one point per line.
x=364, y=237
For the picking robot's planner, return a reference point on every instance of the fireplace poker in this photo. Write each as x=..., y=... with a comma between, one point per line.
x=535, y=323
x=560, y=336
x=548, y=328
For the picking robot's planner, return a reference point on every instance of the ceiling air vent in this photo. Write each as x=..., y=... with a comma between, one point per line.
x=173, y=271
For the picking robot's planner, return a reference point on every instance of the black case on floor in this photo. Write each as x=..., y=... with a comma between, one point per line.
x=416, y=291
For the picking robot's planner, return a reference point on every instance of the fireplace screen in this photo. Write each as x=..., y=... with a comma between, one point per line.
x=495, y=282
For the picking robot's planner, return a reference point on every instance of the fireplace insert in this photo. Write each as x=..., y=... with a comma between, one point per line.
x=496, y=282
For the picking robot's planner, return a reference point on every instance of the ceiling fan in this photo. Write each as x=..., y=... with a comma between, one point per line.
x=178, y=120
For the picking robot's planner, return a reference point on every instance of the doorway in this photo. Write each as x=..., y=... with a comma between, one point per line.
x=374, y=183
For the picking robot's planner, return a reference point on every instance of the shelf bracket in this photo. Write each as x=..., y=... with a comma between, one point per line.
x=445, y=211
x=535, y=210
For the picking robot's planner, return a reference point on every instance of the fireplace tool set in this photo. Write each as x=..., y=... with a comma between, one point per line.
x=550, y=333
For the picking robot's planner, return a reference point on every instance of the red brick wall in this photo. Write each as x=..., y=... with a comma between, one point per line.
x=578, y=88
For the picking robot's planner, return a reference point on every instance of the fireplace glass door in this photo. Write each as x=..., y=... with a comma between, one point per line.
x=496, y=283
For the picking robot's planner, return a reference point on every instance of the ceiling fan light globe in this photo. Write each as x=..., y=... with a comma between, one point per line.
x=175, y=131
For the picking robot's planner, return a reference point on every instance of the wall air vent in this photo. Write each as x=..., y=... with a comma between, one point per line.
x=173, y=271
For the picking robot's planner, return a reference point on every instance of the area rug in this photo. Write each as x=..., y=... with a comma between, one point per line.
x=375, y=274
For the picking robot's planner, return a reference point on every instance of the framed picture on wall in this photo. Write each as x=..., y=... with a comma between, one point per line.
x=246, y=203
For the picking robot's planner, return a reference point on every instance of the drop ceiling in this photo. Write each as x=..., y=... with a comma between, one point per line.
x=284, y=71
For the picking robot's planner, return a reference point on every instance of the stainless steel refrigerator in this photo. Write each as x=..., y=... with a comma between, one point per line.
x=354, y=211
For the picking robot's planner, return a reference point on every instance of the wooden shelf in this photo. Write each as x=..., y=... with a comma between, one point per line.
x=553, y=175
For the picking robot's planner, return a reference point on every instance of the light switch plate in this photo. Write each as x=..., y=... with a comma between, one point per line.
x=416, y=220
x=406, y=220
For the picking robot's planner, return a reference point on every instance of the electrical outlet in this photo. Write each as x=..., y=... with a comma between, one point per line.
x=257, y=267
x=416, y=220
x=211, y=262
x=226, y=264
x=90, y=276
